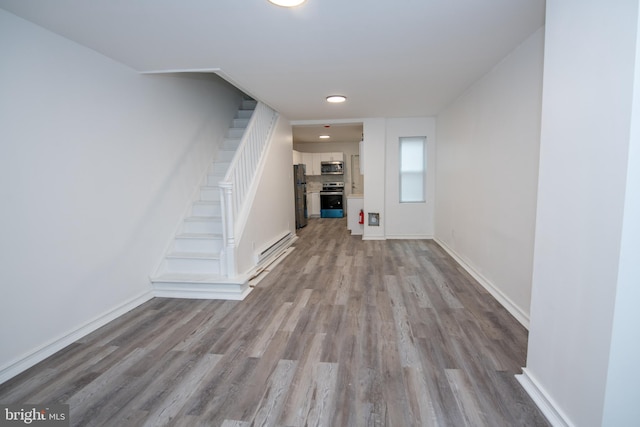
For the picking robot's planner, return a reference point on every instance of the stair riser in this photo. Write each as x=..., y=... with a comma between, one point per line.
x=204, y=246
x=225, y=156
x=214, y=180
x=199, y=209
x=240, y=123
x=235, y=133
x=193, y=265
x=197, y=245
x=194, y=227
x=219, y=168
x=249, y=105
x=244, y=114
x=210, y=194
x=231, y=144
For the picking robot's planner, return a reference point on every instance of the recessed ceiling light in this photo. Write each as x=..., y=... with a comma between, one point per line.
x=336, y=98
x=324, y=137
x=287, y=3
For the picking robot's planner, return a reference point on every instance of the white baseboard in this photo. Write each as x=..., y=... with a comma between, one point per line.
x=23, y=363
x=541, y=398
x=408, y=237
x=504, y=300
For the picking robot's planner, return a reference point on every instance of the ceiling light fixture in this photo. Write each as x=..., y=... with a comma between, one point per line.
x=324, y=137
x=336, y=98
x=287, y=3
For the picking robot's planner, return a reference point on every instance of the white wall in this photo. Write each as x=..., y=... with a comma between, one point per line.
x=487, y=162
x=578, y=262
x=272, y=214
x=622, y=394
x=374, y=130
x=97, y=163
x=409, y=220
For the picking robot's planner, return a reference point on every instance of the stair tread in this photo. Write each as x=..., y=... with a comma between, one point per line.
x=193, y=255
x=199, y=236
x=207, y=202
x=197, y=278
x=203, y=218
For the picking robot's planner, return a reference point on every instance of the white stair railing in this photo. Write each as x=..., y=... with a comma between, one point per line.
x=241, y=179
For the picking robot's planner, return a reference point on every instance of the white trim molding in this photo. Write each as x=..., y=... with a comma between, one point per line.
x=38, y=355
x=541, y=398
x=504, y=300
x=408, y=237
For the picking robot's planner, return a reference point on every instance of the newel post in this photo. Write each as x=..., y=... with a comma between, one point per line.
x=228, y=261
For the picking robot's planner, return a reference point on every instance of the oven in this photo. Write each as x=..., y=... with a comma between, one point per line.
x=331, y=200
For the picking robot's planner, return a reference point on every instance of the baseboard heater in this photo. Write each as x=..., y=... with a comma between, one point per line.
x=271, y=256
x=275, y=248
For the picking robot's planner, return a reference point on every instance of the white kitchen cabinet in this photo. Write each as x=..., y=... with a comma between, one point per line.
x=313, y=204
x=297, y=157
x=308, y=161
x=318, y=158
x=313, y=161
x=324, y=157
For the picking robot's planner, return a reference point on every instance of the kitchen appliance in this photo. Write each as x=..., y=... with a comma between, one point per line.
x=300, y=195
x=331, y=200
x=333, y=167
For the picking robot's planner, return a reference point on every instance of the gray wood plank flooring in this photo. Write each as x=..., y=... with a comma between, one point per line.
x=342, y=332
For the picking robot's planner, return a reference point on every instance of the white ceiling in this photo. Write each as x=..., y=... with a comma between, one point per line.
x=398, y=58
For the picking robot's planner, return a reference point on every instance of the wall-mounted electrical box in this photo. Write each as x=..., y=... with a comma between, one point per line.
x=374, y=219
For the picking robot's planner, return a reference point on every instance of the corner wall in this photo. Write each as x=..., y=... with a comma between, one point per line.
x=486, y=178
x=585, y=237
x=97, y=163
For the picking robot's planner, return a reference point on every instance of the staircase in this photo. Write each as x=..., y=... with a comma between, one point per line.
x=192, y=267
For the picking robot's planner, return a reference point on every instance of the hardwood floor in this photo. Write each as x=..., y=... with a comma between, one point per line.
x=342, y=332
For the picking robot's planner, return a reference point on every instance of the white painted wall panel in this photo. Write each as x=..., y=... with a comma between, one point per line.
x=374, y=178
x=586, y=126
x=409, y=220
x=487, y=161
x=97, y=164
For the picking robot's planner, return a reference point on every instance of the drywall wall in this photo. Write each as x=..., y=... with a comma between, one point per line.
x=272, y=214
x=622, y=395
x=409, y=220
x=486, y=175
x=374, y=144
x=578, y=262
x=97, y=164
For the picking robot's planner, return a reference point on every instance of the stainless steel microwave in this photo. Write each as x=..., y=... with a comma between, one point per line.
x=335, y=167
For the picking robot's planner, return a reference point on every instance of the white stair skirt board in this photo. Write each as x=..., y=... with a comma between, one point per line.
x=540, y=397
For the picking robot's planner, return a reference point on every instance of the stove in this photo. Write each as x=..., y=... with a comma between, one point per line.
x=331, y=200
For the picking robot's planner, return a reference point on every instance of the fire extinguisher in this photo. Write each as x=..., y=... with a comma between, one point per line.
x=361, y=220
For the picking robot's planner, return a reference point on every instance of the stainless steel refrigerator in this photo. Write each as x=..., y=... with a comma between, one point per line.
x=300, y=194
